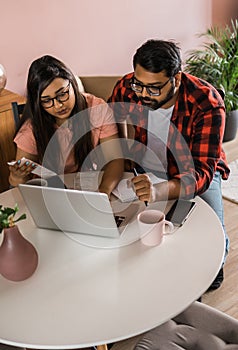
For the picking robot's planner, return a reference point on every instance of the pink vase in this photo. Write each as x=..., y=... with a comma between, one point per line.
x=18, y=257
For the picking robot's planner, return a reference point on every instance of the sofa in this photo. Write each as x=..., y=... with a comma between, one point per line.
x=100, y=86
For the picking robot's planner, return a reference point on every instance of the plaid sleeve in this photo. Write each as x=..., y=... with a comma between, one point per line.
x=194, y=161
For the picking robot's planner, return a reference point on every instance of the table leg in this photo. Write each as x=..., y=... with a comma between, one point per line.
x=102, y=347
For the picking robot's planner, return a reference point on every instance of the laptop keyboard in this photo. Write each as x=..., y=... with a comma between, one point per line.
x=230, y=186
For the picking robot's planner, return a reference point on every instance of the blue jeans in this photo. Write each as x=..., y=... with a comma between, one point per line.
x=213, y=197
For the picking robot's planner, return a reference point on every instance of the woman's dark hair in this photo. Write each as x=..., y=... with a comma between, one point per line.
x=41, y=73
x=158, y=55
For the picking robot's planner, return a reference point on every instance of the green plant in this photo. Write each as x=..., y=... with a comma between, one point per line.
x=7, y=217
x=217, y=61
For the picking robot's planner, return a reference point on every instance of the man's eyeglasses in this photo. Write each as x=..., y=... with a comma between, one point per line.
x=61, y=97
x=152, y=90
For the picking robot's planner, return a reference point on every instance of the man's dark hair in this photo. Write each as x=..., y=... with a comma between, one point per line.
x=158, y=55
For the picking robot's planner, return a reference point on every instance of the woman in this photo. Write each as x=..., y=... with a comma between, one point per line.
x=61, y=128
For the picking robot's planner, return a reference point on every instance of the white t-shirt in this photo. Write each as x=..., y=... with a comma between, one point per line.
x=155, y=157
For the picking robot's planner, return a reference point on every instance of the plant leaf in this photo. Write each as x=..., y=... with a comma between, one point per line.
x=6, y=216
x=217, y=61
x=22, y=217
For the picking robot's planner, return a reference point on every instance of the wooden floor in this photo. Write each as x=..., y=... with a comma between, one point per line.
x=226, y=297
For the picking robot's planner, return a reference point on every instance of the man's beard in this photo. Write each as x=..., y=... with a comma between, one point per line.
x=154, y=104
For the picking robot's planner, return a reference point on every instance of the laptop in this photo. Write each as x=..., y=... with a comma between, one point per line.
x=77, y=211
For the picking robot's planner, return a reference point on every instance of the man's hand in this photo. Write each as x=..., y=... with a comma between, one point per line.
x=144, y=188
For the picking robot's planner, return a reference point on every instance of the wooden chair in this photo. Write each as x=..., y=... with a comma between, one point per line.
x=17, y=110
x=8, y=124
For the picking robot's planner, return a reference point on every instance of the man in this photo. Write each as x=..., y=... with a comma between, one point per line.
x=177, y=123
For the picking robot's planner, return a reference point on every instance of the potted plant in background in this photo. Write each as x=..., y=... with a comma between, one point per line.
x=18, y=257
x=217, y=63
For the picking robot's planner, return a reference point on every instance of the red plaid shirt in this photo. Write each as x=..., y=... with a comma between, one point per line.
x=194, y=147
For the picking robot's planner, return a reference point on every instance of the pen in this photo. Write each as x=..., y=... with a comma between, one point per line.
x=136, y=174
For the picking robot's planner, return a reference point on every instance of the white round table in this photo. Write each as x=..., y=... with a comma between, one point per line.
x=81, y=296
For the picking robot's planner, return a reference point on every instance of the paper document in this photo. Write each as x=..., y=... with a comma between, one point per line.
x=125, y=190
x=41, y=171
x=88, y=180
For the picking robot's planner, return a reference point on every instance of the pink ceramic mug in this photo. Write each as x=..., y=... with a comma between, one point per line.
x=153, y=226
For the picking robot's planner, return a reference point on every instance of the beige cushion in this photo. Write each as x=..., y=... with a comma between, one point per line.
x=80, y=84
x=171, y=336
x=199, y=327
x=100, y=86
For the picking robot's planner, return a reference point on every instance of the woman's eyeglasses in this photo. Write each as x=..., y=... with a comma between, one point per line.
x=61, y=97
x=152, y=90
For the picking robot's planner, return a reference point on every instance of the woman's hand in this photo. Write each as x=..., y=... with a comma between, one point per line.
x=20, y=171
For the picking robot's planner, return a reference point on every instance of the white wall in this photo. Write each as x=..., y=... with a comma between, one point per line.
x=96, y=37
